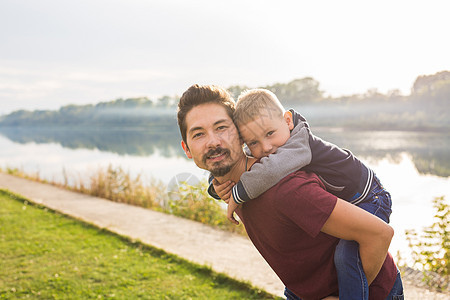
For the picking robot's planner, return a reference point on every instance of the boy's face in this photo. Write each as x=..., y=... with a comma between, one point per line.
x=264, y=134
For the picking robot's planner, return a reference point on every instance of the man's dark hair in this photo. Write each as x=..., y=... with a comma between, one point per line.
x=201, y=94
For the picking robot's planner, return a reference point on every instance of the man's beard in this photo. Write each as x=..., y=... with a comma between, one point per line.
x=218, y=169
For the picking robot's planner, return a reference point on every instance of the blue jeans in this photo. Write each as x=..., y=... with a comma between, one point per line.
x=395, y=294
x=397, y=290
x=351, y=278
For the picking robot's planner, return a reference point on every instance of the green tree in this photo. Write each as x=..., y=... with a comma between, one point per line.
x=297, y=91
x=426, y=84
x=236, y=90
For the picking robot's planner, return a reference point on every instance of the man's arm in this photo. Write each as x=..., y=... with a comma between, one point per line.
x=373, y=235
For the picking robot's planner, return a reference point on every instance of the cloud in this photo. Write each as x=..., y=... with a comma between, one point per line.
x=101, y=76
x=50, y=87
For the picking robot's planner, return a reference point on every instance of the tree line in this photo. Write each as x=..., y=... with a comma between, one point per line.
x=427, y=107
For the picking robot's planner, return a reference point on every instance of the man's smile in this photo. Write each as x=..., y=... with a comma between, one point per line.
x=216, y=155
x=213, y=157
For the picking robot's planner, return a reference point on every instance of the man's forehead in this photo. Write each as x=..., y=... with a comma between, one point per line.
x=205, y=115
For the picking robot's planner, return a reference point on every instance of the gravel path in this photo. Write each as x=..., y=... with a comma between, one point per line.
x=191, y=240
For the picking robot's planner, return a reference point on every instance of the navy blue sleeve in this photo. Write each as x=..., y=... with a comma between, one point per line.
x=211, y=190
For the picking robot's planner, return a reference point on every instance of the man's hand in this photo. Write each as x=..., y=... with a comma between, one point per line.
x=231, y=208
x=223, y=190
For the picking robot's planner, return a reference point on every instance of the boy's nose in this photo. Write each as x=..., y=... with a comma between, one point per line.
x=267, y=148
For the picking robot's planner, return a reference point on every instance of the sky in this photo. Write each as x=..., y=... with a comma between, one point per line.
x=54, y=53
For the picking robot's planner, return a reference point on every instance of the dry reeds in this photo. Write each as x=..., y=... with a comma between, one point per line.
x=115, y=184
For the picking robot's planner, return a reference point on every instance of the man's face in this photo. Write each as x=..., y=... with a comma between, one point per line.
x=212, y=139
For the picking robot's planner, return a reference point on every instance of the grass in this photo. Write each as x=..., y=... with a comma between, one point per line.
x=45, y=255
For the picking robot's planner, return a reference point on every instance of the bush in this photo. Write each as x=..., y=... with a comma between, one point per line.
x=431, y=249
x=194, y=203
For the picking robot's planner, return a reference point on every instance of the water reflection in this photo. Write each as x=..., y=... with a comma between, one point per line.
x=139, y=142
x=428, y=150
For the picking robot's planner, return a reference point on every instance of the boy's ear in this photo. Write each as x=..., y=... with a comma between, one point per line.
x=289, y=120
x=186, y=149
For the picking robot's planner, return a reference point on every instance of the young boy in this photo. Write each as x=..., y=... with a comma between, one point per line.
x=284, y=143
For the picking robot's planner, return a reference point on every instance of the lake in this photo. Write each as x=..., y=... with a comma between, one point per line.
x=413, y=166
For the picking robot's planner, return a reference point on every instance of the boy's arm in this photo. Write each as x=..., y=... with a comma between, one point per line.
x=219, y=191
x=211, y=190
x=224, y=190
x=232, y=206
x=293, y=155
x=373, y=235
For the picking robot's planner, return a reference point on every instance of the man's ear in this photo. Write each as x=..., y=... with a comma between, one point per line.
x=289, y=120
x=186, y=149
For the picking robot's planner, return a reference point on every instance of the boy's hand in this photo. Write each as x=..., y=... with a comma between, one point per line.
x=231, y=208
x=223, y=190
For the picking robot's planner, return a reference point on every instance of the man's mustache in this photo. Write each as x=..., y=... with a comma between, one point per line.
x=216, y=151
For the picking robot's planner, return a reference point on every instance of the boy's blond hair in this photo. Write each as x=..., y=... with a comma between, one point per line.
x=257, y=103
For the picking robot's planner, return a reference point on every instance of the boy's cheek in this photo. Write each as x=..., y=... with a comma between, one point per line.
x=257, y=154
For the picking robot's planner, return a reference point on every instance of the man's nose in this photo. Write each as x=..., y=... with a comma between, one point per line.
x=213, y=141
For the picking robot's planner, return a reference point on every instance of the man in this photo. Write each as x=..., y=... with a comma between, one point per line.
x=296, y=224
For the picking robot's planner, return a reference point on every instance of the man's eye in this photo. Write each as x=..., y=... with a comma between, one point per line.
x=197, y=135
x=221, y=127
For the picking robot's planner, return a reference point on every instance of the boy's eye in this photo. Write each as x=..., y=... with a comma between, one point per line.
x=251, y=144
x=270, y=132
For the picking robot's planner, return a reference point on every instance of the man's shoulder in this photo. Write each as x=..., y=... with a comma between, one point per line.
x=300, y=179
x=301, y=175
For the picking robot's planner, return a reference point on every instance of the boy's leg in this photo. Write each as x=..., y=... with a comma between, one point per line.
x=378, y=202
x=397, y=290
x=351, y=278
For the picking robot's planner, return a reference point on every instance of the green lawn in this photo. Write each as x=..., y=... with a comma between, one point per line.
x=45, y=255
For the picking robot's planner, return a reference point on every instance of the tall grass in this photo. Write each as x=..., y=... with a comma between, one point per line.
x=115, y=184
